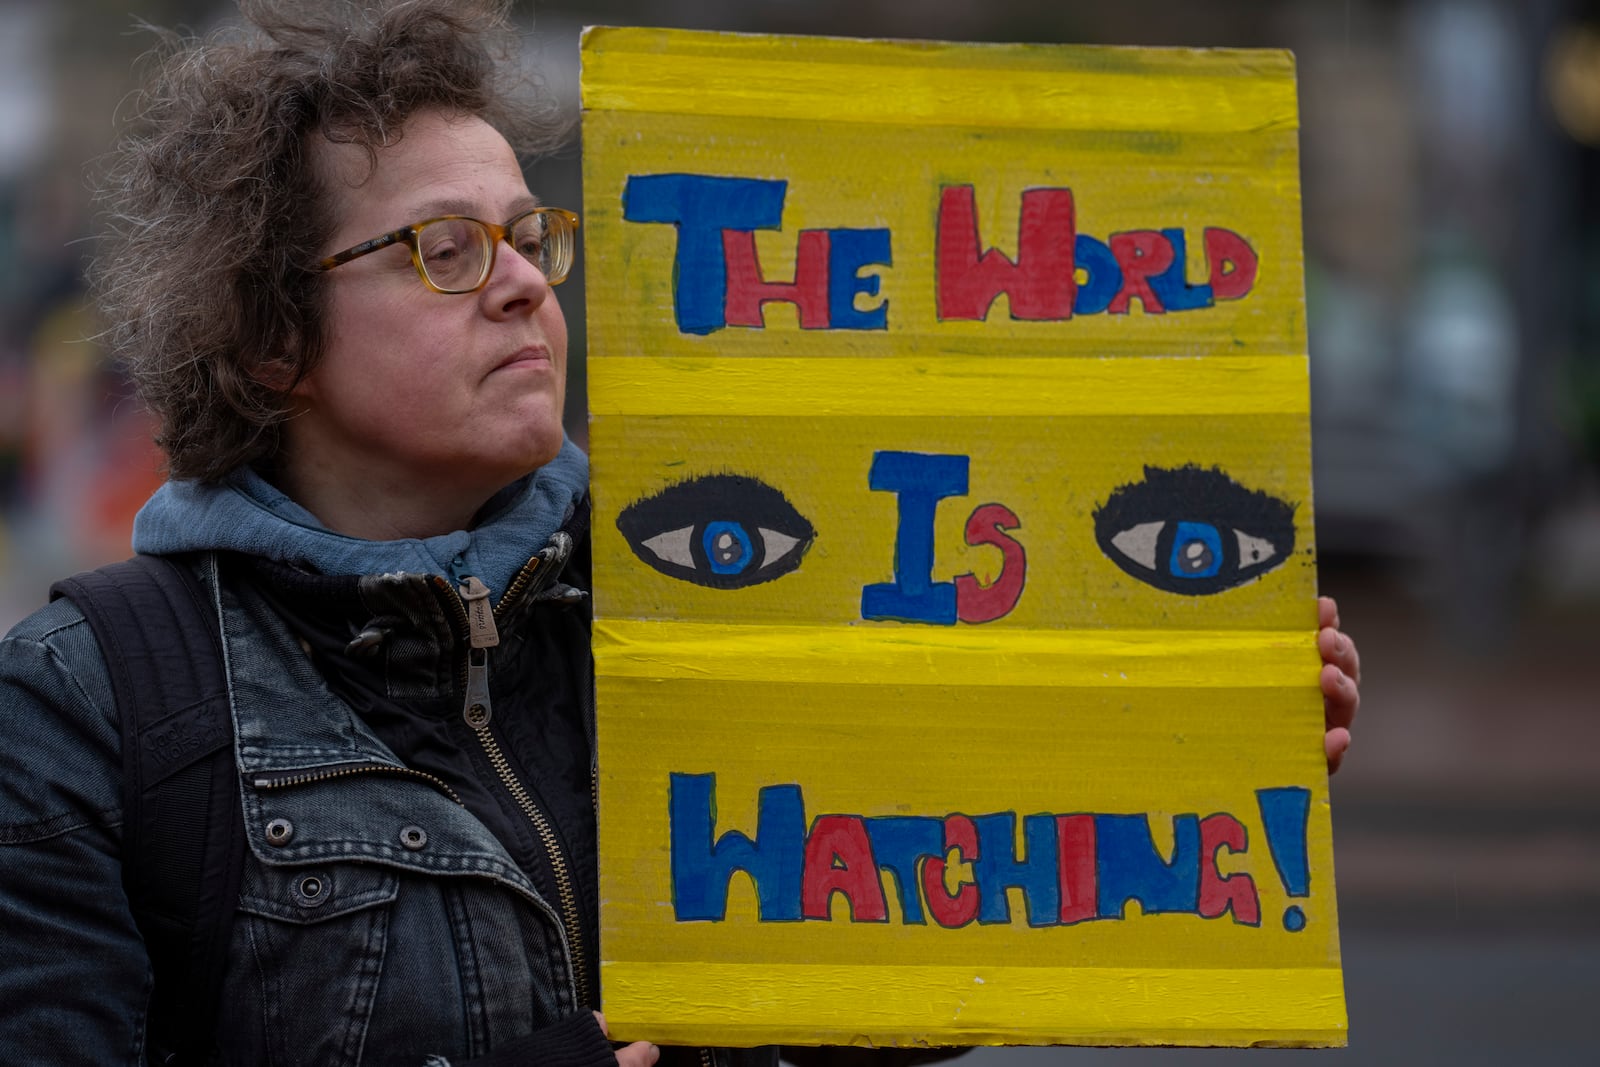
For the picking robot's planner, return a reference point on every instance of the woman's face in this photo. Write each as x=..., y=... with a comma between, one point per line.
x=420, y=393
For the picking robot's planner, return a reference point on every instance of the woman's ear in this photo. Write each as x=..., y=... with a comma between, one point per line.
x=286, y=372
x=282, y=376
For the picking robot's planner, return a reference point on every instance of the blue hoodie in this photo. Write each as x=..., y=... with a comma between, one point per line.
x=245, y=513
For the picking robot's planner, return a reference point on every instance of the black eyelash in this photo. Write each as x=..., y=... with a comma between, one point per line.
x=1195, y=495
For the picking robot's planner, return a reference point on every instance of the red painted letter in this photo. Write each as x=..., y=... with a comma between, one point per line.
x=1040, y=285
x=985, y=603
x=1237, y=891
x=747, y=290
x=1075, y=845
x=1141, y=254
x=1233, y=264
x=951, y=911
x=839, y=857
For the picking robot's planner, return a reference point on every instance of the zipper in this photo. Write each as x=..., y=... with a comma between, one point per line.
x=564, y=886
x=482, y=634
x=705, y=1058
x=473, y=623
x=481, y=618
x=519, y=582
x=284, y=781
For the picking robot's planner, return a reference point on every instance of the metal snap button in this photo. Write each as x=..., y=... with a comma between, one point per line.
x=413, y=837
x=280, y=832
x=312, y=890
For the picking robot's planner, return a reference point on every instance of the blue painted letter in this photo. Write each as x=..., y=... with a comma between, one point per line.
x=848, y=252
x=701, y=207
x=898, y=842
x=997, y=868
x=1105, y=276
x=701, y=870
x=921, y=480
x=1172, y=285
x=1131, y=869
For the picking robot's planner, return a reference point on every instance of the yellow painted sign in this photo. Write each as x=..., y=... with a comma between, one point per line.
x=955, y=621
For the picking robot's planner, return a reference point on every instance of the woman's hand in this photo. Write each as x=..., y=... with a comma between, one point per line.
x=1341, y=682
x=638, y=1054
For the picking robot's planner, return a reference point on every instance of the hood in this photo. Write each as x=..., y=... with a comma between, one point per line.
x=245, y=513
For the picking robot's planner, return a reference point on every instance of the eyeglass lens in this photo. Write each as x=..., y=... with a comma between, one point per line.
x=456, y=253
x=453, y=252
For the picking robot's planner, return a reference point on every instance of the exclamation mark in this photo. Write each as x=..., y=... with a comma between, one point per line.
x=1284, y=813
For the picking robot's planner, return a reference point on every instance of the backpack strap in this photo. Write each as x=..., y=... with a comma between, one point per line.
x=183, y=841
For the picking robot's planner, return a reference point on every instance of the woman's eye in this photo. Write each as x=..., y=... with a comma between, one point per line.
x=442, y=252
x=1194, y=531
x=724, y=531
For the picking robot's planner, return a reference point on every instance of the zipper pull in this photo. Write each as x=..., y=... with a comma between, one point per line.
x=477, y=709
x=480, y=617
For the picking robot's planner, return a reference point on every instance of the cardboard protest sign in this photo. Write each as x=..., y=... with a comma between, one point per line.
x=955, y=621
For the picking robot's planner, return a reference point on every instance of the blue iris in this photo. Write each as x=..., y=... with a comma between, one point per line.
x=728, y=548
x=1196, y=551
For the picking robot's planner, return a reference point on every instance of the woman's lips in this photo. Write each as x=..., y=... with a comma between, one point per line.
x=530, y=358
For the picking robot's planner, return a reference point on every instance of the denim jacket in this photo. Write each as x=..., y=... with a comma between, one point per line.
x=378, y=921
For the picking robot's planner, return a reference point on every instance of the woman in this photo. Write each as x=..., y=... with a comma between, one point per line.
x=334, y=287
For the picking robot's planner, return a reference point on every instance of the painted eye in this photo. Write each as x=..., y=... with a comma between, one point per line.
x=1194, y=531
x=725, y=531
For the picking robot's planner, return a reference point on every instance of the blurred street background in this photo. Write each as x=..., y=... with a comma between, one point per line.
x=1451, y=174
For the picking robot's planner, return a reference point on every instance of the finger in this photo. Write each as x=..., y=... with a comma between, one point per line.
x=1327, y=612
x=1340, y=697
x=638, y=1054
x=601, y=1019
x=1336, y=742
x=1338, y=649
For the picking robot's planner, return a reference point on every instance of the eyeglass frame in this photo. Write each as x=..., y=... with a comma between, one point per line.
x=497, y=233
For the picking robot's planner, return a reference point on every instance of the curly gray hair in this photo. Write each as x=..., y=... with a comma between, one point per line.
x=207, y=277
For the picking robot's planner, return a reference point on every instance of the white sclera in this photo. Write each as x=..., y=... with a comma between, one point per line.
x=775, y=546
x=1138, y=543
x=673, y=546
x=1253, y=550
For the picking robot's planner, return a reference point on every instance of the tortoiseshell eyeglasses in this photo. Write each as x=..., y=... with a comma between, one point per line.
x=455, y=254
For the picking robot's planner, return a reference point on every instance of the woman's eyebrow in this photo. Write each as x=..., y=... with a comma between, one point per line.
x=432, y=209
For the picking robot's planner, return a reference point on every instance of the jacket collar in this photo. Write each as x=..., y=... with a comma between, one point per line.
x=246, y=514
x=285, y=717
x=307, y=761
